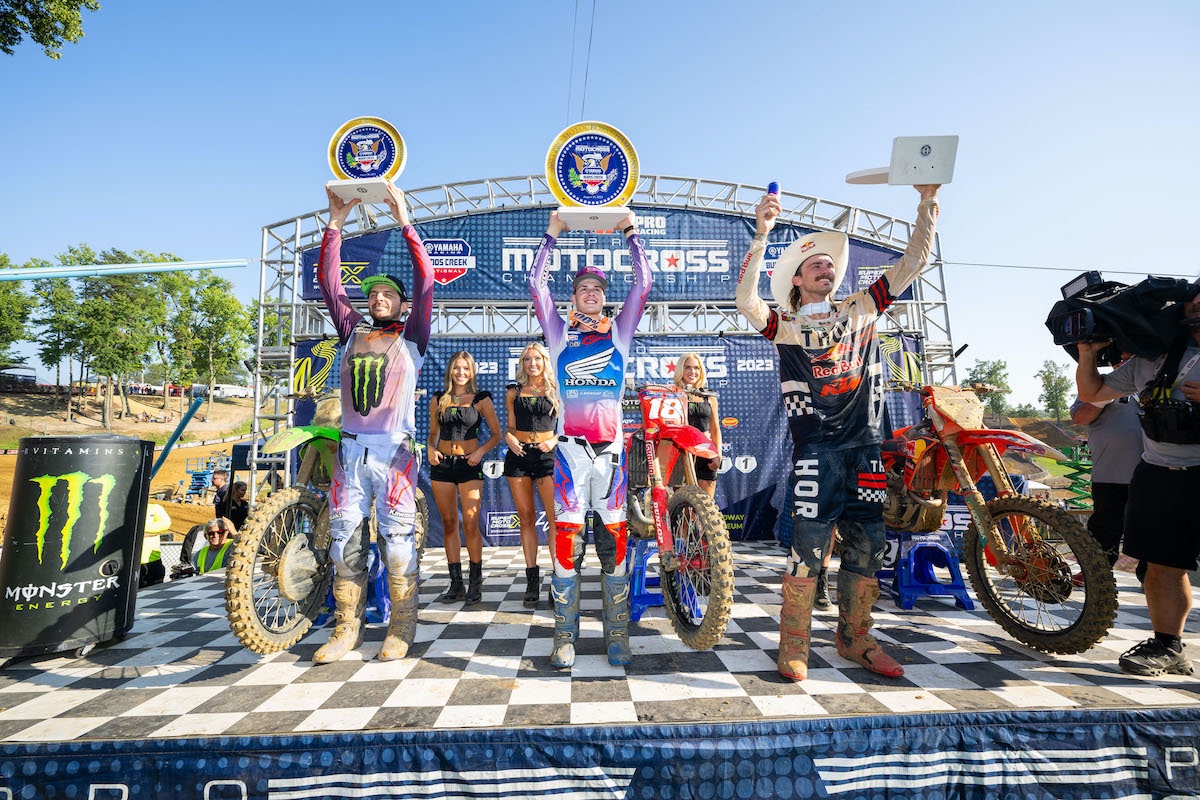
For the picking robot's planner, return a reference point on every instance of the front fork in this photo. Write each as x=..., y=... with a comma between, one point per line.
x=658, y=502
x=976, y=505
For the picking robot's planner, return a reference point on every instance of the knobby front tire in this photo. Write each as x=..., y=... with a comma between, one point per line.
x=698, y=596
x=1063, y=598
x=261, y=617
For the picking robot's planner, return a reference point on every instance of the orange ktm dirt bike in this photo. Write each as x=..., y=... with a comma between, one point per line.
x=278, y=574
x=1038, y=572
x=695, y=556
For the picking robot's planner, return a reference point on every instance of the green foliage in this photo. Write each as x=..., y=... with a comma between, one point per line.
x=1055, y=387
x=47, y=22
x=993, y=373
x=17, y=306
x=222, y=327
x=1027, y=410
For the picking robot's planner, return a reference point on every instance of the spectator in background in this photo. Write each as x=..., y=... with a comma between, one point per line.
x=220, y=485
x=219, y=536
x=1115, y=439
x=239, y=506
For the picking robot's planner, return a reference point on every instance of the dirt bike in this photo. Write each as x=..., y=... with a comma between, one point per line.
x=1038, y=572
x=278, y=573
x=695, y=556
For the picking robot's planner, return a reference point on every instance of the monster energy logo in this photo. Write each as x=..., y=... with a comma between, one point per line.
x=366, y=381
x=76, y=484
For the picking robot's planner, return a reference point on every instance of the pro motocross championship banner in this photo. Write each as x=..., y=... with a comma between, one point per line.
x=742, y=370
x=694, y=255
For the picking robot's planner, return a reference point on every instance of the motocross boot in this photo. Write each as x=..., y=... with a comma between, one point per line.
x=795, y=626
x=856, y=595
x=455, y=590
x=821, y=600
x=402, y=625
x=350, y=601
x=616, y=619
x=475, y=582
x=566, y=619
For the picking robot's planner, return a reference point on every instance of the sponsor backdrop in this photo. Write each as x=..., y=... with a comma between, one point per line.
x=742, y=370
x=694, y=255
x=1071, y=755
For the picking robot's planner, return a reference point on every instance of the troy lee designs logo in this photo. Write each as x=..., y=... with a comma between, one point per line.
x=584, y=372
x=76, y=483
x=367, y=372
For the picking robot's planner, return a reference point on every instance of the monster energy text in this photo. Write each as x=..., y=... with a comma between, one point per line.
x=58, y=595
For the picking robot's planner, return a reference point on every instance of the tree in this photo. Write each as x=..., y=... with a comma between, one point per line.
x=175, y=333
x=17, y=306
x=1055, y=386
x=47, y=22
x=993, y=373
x=1027, y=410
x=57, y=320
x=222, y=326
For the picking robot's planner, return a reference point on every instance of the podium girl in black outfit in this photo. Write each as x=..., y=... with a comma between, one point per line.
x=532, y=405
x=456, y=471
x=702, y=414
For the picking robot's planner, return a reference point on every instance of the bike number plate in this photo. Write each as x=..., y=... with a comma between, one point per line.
x=669, y=409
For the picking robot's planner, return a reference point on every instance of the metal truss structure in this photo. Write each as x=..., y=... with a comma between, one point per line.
x=286, y=318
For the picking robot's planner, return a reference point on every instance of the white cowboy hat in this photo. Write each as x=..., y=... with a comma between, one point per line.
x=834, y=244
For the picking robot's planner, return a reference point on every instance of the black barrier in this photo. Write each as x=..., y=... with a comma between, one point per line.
x=73, y=541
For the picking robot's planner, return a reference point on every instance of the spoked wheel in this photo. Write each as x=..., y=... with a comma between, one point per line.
x=422, y=525
x=699, y=595
x=278, y=573
x=1057, y=593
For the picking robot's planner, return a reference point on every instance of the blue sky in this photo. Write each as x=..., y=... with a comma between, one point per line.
x=186, y=127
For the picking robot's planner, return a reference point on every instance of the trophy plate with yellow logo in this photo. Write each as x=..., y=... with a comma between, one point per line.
x=365, y=154
x=592, y=170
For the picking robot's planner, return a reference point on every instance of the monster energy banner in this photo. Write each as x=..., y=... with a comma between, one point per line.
x=742, y=370
x=72, y=542
x=695, y=255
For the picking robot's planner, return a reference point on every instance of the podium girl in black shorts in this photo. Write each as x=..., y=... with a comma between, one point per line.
x=702, y=414
x=532, y=405
x=456, y=471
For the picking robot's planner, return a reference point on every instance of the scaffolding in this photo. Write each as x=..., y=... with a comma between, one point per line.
x=285, y=318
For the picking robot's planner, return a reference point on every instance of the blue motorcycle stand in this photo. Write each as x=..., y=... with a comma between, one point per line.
x=379, y=600
x=908, y=572
x=640, y=597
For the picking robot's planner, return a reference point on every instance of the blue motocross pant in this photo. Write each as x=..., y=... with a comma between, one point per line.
x=845, y=488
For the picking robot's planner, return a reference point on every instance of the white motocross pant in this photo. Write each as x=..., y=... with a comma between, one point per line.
x=589, y=479
x=385, y=474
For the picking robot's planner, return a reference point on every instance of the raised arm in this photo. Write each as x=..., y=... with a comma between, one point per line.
x=749, y=304
x=420, y=316
x=898, y=277
x=639, y=292
x=1088, y=381
x=329, y=268
x=548, y=317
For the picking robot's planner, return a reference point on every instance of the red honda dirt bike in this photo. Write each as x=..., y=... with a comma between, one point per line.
x=1038, y=572
x=695, y=557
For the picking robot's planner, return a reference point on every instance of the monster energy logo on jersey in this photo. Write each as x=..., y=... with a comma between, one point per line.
x=367, y=372
x=76, y=483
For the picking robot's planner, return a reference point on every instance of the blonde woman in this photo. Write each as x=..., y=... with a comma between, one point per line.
x=532, y=414
x=456, y=471
x=702, y=414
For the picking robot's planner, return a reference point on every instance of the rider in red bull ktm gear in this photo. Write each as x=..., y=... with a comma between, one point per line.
x=589, y=352
x=831, y=377
x=380, y=361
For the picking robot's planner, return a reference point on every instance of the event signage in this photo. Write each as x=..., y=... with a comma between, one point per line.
x=592, y=170
x=72, y=542
x=693, y=254
x=365, y=154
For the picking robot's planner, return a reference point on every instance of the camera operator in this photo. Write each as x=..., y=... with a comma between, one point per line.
x=1161, y=526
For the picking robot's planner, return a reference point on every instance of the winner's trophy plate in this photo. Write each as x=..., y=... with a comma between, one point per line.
x=592, y=169
x=365, y=155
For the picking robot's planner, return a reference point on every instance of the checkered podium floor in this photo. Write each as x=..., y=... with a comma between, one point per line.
x=181, y=672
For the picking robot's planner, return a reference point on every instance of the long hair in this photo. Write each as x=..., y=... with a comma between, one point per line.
x=547, y=373
x=447, y=398
x=679, y=370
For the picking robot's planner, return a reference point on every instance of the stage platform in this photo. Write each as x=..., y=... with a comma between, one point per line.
x=180, y=708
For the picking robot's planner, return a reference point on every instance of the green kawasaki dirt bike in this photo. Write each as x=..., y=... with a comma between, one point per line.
x=278, y=573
